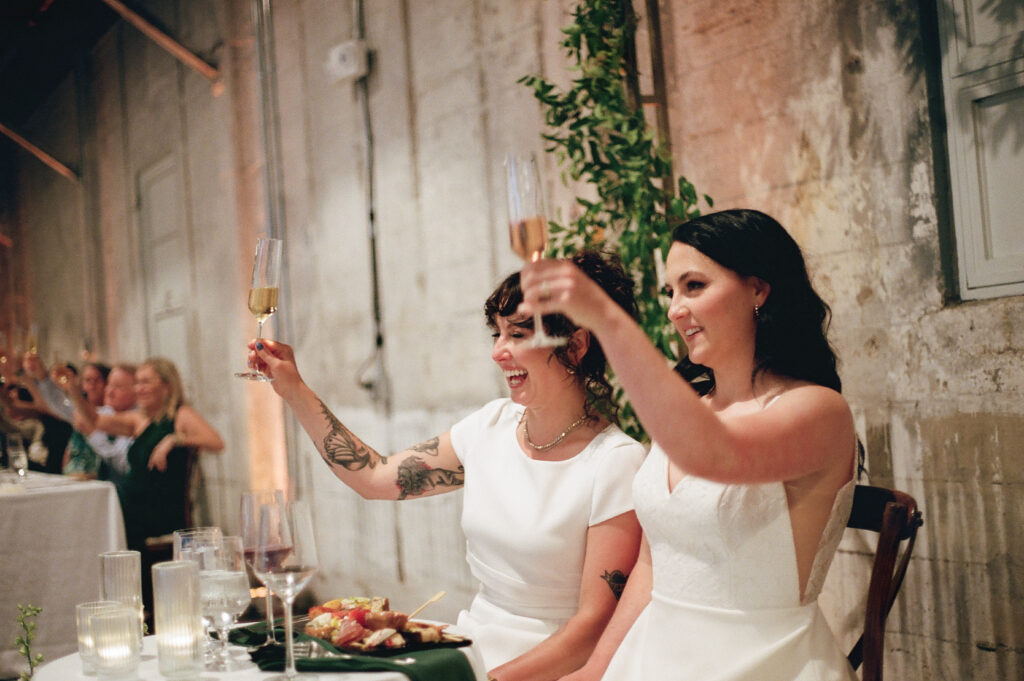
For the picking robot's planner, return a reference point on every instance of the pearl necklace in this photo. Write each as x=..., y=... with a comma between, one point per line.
x=542, y=448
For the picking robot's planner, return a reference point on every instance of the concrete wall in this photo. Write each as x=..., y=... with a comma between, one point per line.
x=815, y=112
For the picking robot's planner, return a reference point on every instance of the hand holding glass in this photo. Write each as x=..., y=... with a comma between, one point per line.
x=528, y=225
x=263, y=292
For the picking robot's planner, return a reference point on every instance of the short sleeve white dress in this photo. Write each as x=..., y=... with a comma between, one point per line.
x=526, y=526
x=725, y=600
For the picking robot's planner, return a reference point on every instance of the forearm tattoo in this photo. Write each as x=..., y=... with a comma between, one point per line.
x=342, y=448
x=616, y=582
x=428, y=447
x=415, y=477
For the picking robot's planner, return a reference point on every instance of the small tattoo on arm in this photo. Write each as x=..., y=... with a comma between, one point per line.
x=415, y=477
x=428, y=447
x=342, y=448
x=616, y=582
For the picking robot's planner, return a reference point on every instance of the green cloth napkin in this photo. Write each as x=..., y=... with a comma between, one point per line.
x=434, y=664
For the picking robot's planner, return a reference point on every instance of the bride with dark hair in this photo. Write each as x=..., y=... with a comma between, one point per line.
x=749, y=483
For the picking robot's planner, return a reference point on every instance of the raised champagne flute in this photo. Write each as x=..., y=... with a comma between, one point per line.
x=252, y=502
x=528, y=226
x=286, y=559
x=263, y=293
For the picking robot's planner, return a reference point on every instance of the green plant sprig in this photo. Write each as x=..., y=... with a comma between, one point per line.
x=600, y=138
x=26, y=620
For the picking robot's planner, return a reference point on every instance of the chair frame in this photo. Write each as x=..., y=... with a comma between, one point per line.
x=895, y=517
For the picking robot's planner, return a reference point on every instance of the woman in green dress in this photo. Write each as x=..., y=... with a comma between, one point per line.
x=164, y=428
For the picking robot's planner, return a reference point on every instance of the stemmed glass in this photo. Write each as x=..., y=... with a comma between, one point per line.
x=263, y=292
x=224, y=594
x=252, y=502
x=286, y=559
x=528, y=226
x=17, y=457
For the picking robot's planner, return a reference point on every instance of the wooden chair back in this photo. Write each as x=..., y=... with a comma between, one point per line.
x=895, y=517
x=162, y=548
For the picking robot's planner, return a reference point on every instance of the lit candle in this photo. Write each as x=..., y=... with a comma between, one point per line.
x=86, y=649
x=176, y=614
x=115, y=640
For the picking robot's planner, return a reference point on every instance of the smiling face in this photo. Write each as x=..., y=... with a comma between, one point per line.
x=93, y=385
x=534, y=376
x=712, y=306
x=150, y=391
x=120, y=393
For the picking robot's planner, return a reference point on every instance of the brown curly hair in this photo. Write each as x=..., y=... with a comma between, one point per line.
x=606, y=269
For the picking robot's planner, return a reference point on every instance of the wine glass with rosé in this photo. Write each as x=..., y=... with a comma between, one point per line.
x=286, y=559
x=528, y=225
x=263, y=292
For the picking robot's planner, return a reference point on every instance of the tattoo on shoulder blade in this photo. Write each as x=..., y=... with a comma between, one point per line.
x=342, y=448
x=616, y=582
x=415, y=477
x=428, y=447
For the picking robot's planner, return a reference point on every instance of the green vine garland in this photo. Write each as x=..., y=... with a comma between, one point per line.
x=598, y=137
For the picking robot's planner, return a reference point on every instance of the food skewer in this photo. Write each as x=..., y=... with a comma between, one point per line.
x=433, y=599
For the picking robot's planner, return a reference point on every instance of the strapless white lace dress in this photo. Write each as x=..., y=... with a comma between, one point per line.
x=725, y=603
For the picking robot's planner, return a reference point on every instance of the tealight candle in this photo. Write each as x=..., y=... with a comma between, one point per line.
x=86, y=650
x=177, y=619
x=115, y=640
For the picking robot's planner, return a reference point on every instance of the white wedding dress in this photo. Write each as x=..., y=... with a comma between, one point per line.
x=725, y=603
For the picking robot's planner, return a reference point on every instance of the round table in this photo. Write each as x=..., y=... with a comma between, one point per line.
x=69, y=668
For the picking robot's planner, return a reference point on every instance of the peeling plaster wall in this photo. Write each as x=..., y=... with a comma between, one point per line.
x=815, y=112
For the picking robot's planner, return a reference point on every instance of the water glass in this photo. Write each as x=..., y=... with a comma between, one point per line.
x=86, y=649
x=191, y=543
x=121, y=581
x=116, y=643
x=224, y=595
x=176, y=613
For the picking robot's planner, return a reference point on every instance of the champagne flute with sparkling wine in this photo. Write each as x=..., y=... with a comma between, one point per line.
x=528, y=225
x=263, y=293
x=286, y=559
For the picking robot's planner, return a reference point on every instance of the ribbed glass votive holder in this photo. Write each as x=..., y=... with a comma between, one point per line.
x=86, y=649
x=178, y=619
x=121, y=581
x=116, y=643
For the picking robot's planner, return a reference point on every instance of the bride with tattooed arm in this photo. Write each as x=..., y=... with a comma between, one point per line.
x=550, y=530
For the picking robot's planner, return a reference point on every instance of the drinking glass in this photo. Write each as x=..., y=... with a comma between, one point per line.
x=117, y=643
x=198, y=544
x=224, y=595
x=176, y=617
x=528, y=226
x=86, y=649
x=263, y=292
x=17, y=457
x=286, y=559
x=121, y=581
x=252, y=502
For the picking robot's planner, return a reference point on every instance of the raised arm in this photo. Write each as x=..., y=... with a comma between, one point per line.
x=425, y=469
x=611, y=553
x=86, y=419
x=810, y=429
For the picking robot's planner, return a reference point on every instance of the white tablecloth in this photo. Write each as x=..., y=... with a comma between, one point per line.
x=70, y=669
x=52, y=529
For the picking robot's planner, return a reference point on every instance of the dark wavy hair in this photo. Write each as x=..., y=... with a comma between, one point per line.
x=604, y=268
x=792, y=324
